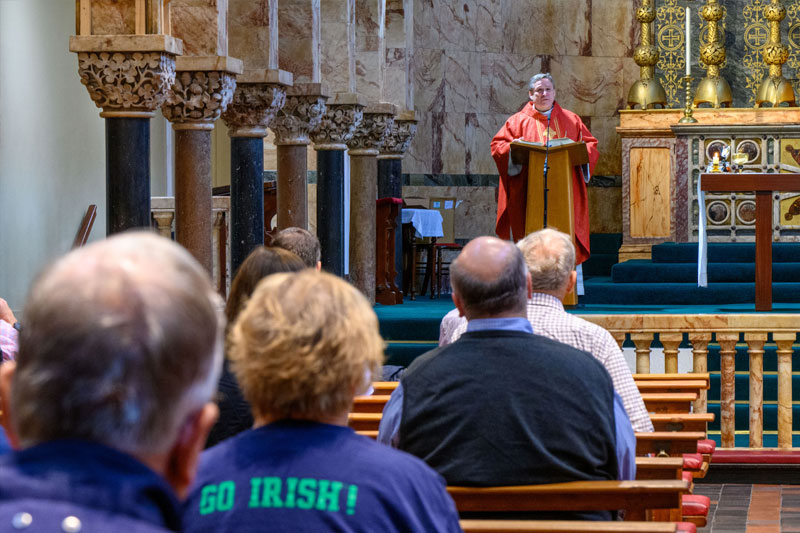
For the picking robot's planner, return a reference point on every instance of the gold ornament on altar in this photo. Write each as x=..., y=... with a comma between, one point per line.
x=713, y=89
x=671, y=42
x=647, y=91
x=775, y=89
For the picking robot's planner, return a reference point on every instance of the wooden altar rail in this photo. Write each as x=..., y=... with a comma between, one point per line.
x=755, y=327
x=162, y=214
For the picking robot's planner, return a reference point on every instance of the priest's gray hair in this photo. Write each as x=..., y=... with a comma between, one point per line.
x=542, y=76
x=550, y=256
x=122, y=344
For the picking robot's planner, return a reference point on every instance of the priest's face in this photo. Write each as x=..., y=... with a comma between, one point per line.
x=543, y=95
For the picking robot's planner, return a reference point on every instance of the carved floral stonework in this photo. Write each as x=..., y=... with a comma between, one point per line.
x=337, y=126
x=371, y=133
x=299, y=116
x=253, y=108
x=398, y=140
x=199, y=96
x=127, y=81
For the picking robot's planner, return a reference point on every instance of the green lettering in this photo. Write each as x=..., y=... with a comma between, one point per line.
x=271, y=497
x=255, y=489
x=225, y=496
x=328, y=495
x=291, y=488
x=307, y=490
x=208, y=499
x=352, y=494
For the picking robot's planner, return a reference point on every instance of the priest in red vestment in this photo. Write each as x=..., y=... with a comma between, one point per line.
x=531, y=124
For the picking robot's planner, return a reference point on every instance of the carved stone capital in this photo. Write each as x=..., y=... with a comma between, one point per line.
x=300, y=115
x=337, y=126
x=198, y=98
x=396, y=143
x=253, y=108
x=373, y=130
x=126, y=83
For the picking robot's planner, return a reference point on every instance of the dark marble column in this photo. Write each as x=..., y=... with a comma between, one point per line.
x=330, y=138
x=302, y=113
x=369, y=135
x=203, y=88
x=390, y=176
x=129, y=78
x=258, y=97
x=127, y=173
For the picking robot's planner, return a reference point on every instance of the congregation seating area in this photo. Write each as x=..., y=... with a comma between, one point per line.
x=668, y=460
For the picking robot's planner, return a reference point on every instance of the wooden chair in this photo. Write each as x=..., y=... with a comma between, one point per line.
x=442, y=266
x=637, y=498
x=565, y=526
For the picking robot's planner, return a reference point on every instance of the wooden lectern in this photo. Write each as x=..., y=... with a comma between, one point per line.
x=561, y=160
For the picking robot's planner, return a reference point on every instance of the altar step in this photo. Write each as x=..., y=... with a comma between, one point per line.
x=670, y=277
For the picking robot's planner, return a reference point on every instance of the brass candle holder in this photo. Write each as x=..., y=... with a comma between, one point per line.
x=687, y=110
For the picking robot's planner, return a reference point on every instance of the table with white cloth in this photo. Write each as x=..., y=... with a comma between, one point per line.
x=419, y=224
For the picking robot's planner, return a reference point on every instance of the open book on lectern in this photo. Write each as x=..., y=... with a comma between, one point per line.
x=520, y=156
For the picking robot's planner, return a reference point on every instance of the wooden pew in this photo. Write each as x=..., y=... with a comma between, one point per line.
x=673, y=376
x=681, y=421
x=672, y=385
x=384, y=387
x=669, y=402
x=667, y=443
x=649, y=468
x=635, y=497
x=369, y=404
x=564, y=526
x=364, y=421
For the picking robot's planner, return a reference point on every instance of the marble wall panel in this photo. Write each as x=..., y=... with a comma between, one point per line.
x=552, y=27
x=203, y=28
x=462, y=75
x=113, y=17
x=367, y=25
x=395, y=89
x=417, y=159
x=456, y=22
x=451, y=129
x=366, y=75
x=395, y=24
x=248, y=39
x=333, y=11
x=504, y=81
x=480, y=128
x=615, y=31
x=334, y=55
x=610, y=162
x=589, y=86
x=429, y=86
x=294, y=17
x=426, y=30
x=295, y=56
x=605, y=209
x=489, y=26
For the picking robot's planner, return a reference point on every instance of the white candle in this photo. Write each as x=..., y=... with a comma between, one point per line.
x=688, y=43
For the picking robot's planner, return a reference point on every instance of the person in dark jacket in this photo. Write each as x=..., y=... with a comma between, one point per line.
x=108, y=402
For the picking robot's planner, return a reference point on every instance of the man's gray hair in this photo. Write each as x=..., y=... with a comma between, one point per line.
x=300, y=242
x=550, y=256
x=542, y=76
x=507, y=292
x=122, y=343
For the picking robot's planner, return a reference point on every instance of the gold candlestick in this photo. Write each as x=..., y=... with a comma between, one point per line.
x=687, y=111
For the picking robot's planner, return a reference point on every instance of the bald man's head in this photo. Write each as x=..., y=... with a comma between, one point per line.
x=490, y=279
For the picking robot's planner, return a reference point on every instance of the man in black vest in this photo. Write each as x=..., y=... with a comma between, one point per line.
x=503, y=406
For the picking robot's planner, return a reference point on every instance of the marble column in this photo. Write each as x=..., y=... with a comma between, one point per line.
x=301, y=114
x=258, y=97
x=128, y=77
x=364, y=150
x=204, y=86
x=330, y=138
x=390, y=175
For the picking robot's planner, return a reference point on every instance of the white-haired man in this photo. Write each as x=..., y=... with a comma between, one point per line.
x=108, y=400
x=550, y=256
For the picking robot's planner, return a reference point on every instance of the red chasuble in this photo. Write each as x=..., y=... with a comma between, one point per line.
x=530, y=125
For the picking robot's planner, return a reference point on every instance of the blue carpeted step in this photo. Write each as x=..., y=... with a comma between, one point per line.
x=735, y=252
x=604, y=291
x=599, y=265
x=605, y=243
x=403, y=353
x=643, y=271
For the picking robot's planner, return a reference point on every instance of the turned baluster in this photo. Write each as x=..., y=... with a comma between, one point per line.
x=784, y=342
x=755, y=347
x=727, y=354
x=642, y=342
x=700, y=365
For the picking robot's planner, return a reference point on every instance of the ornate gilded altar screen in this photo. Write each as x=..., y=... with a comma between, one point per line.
x=561, y=161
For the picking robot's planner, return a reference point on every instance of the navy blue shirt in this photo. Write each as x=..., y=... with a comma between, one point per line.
x=106, y=490
x=306, y=476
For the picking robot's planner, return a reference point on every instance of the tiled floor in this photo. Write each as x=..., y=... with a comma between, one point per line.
x=752, y=508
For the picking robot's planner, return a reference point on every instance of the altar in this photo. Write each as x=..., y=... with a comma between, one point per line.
x=662, y=159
